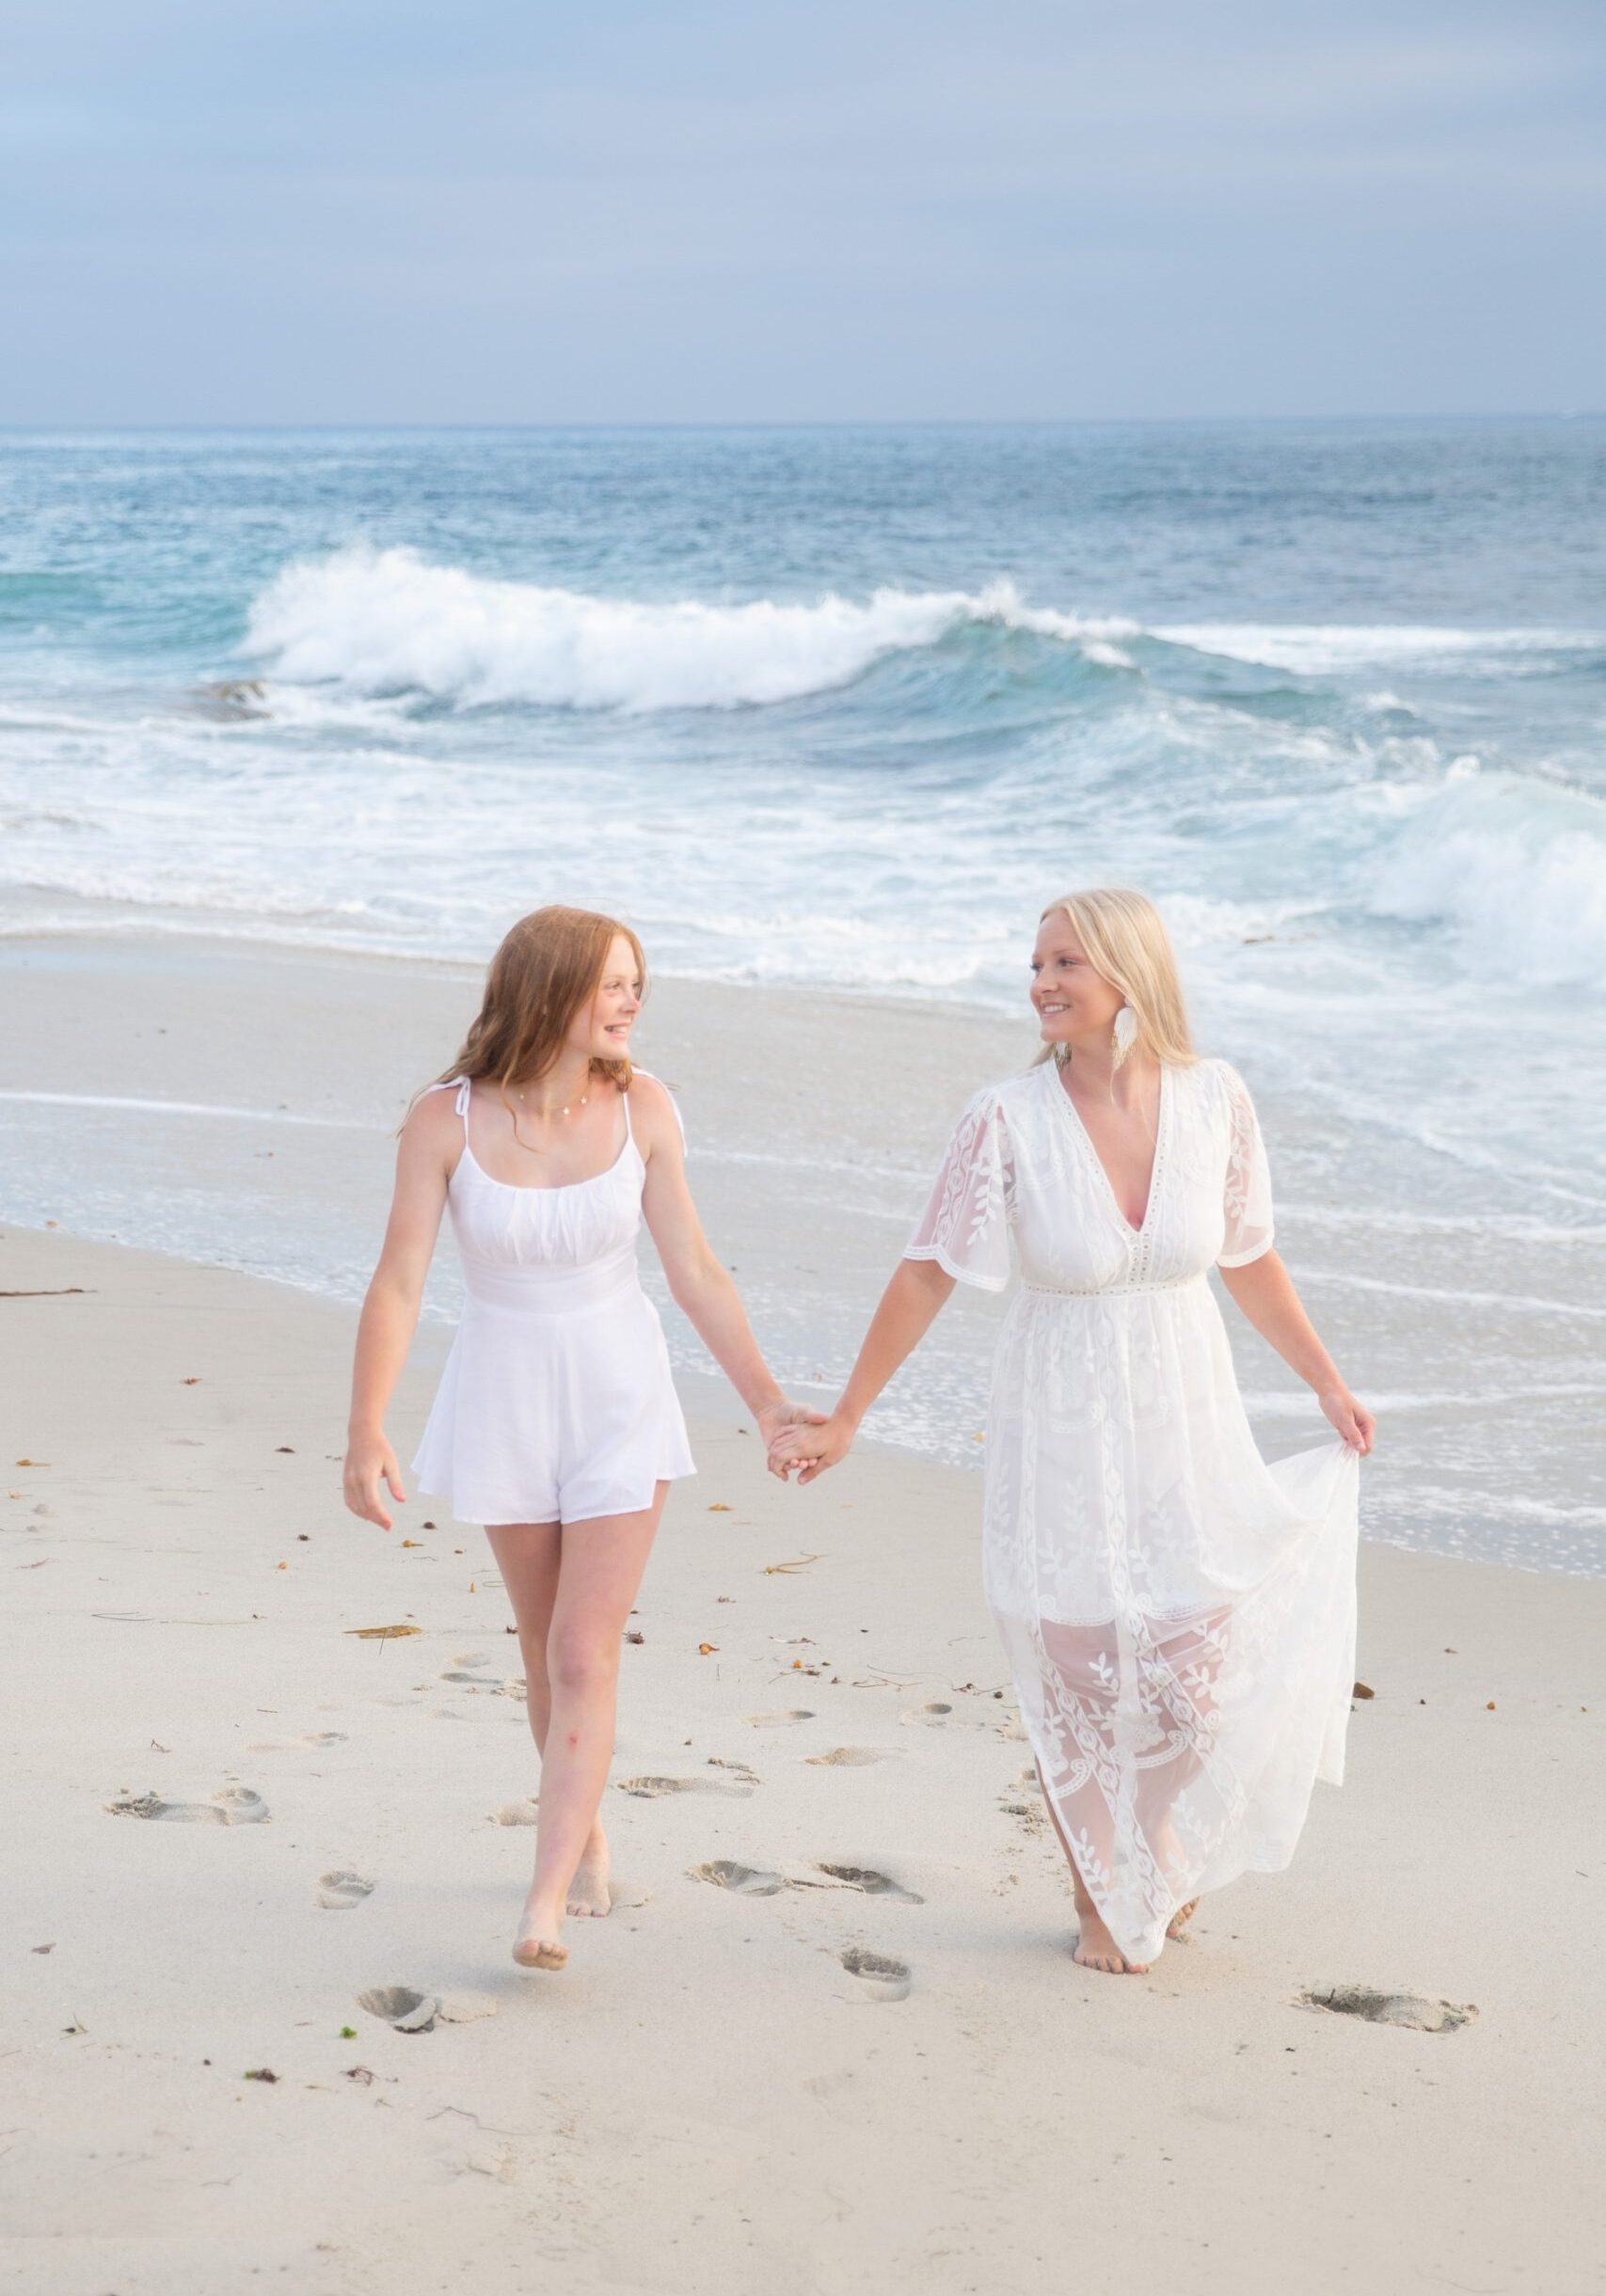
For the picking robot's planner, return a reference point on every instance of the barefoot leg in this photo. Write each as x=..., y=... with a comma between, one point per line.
x=600, y=1568
x=1095, y=1948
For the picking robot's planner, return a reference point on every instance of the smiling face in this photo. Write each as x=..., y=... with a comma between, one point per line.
x=601, y=1029
x=1071, y=1002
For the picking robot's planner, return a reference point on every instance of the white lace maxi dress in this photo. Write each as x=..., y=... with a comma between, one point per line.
x=1179, y=1615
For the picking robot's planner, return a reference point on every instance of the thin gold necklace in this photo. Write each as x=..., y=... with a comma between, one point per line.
x=529, y=1145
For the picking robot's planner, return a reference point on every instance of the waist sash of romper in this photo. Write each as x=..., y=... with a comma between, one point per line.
x=542, y=1288
x=1104, y=1292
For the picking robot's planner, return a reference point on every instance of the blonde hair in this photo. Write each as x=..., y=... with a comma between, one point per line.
x=1128, y=944
x=550, y=966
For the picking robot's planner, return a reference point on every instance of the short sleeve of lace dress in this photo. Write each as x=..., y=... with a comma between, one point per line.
x=1248, y=1192
x=965, y=1226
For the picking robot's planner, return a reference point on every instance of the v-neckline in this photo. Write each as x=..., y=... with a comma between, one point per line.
x=1162, y=1113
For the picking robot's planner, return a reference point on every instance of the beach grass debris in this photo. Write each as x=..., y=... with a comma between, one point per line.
x=32, y=1463
x=382, y=1634
x=260, y=2072
x=347, y=2032
x=781, y=1570
x=56, y=1292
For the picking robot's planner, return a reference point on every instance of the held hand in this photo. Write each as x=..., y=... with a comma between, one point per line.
x=810, y=1450
x=779, y=1418
x=370, y=1461
x=1354, y=1422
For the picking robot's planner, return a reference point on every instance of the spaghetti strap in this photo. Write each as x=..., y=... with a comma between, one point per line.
x=461, y=1087
x=647, y=1078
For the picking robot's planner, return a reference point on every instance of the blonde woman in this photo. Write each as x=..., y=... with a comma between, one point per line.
x=556, y=1423
x=1179, y=1616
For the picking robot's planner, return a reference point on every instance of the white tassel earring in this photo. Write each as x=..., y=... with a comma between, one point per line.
x=1123, y=1036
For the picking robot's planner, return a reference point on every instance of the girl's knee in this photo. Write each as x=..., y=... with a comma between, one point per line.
x=579, y=1663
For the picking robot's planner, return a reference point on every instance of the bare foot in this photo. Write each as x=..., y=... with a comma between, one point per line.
x=588, y=1891
x=537, y=1946
x=1181, y=1918
x=1096, y=1948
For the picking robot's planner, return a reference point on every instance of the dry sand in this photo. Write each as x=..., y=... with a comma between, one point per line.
x=710, y=2096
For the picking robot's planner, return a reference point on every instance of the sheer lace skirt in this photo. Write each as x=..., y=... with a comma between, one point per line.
x=1179, y=1615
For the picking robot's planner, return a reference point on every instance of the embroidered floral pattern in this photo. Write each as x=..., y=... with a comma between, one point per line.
x=1179, y=1616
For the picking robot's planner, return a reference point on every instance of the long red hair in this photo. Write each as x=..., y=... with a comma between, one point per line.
x=548, y=967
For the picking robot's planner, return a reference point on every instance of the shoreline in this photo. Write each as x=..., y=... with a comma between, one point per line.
x=188, y=1590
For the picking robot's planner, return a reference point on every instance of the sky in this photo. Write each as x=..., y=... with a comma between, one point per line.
x=501, y=212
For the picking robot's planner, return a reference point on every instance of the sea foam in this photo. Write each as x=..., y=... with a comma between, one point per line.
x=1515, y=865
x=390, y=622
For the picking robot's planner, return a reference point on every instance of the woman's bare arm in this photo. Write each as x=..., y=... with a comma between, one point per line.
x=701, y=1287
x=1263, y=1290
x=424, y=1157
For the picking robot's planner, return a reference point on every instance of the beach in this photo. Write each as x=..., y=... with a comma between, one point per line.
x=832, y=2038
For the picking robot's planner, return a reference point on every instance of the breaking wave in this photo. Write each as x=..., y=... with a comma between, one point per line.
x=390, y=621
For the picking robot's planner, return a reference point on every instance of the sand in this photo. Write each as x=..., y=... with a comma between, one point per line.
x=760, y=2071
x=833, y=2040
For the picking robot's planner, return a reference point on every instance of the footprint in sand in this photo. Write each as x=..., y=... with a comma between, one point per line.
x=1412, y=2010
x=230, y=1806
x=783, y=1715
x=1030, y=1813
x=652, y=1789
x=737, y=1769
x=401, y=2006
x=847, y=1757
x=339, y=1893
x=865, y=1880
x=744, y=1880
x=285, y=1745
x=880, y=1977
x=516, y=1813
x=933, y=1716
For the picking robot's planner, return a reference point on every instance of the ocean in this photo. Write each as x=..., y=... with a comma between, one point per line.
x=843, y=707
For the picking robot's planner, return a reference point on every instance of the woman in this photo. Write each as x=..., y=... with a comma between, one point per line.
x=556, y=1423
x=1179, y=1616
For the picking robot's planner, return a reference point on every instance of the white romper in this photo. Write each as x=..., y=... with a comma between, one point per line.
x=556, y=1403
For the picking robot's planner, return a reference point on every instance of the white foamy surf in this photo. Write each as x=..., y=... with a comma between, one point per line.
x=390, y=621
